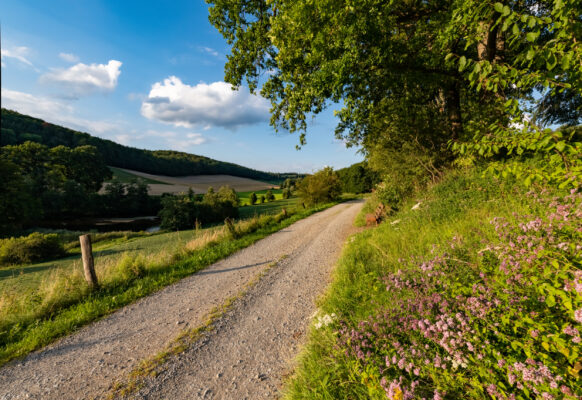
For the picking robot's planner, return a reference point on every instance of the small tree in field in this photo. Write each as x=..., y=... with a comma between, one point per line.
x=270, y=196
x=286, y=193
x=262, y=198
x=253, y=198
x=320, y=187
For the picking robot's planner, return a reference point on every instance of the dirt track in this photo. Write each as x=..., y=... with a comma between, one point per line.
x=244, y=357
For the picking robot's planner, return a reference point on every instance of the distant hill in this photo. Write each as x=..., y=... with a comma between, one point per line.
x=18, y=128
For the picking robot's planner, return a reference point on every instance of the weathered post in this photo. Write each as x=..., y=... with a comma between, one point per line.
x=284, y=213
x=88, y=264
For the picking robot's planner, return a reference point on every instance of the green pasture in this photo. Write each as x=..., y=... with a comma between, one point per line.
x=127, y=177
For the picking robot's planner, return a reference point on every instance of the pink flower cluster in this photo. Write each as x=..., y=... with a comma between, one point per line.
x=459, y=320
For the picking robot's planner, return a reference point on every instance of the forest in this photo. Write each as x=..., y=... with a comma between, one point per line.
x=18, y=128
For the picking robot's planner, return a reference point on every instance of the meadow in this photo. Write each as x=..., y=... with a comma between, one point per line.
x=41, y=302
x=472, y=290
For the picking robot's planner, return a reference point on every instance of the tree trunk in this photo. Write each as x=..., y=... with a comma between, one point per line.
x=453, y=104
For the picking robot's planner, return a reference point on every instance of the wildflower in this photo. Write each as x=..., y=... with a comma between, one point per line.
x=578, y=316
x=416, y=206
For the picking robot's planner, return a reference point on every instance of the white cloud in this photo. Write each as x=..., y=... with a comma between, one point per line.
x=210, y=51
x=69, y=57
x=178, y=141
x=53, y=110
x=83, y=79
x=17, y=53
x=33, y=105
x=203, y=105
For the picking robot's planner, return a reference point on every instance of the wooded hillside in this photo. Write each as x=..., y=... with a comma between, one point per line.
x=18, y=128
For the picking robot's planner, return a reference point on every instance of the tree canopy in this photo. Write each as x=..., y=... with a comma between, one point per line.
x=411, y=77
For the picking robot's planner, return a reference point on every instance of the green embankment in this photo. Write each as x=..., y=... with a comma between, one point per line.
x=443, y=300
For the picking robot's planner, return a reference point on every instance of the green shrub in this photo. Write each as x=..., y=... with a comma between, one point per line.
x=32, y=248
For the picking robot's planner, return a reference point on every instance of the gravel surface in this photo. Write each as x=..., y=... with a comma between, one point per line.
x=244, y=357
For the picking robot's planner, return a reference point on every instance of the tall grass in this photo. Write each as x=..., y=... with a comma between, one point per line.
x=384, y=279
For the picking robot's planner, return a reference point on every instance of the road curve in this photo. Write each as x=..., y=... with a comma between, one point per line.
x=244, y=357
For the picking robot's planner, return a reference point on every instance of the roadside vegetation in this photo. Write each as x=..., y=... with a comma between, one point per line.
x=472, y=290
x=469, y=113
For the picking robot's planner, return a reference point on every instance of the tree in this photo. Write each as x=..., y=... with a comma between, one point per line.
x=229, y=195
x=17, y=205
x=269, y=195
x=321, y=187
x=262, y=198
x=413, y=76
x=253, y=198
x=83, y=165
x=286, y=193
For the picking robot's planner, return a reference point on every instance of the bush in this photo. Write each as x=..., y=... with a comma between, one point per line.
x=270, y=196
x=322, y=187
x=32, y=248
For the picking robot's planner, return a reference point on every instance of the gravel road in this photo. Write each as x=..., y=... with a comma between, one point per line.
x=243, y=357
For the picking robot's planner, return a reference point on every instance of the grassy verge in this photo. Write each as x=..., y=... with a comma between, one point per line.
x=476, y=293
x=63, y=303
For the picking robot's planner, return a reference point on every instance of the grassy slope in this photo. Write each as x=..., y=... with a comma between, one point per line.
x=45, y=301
x=454, y=213
x=126, y=177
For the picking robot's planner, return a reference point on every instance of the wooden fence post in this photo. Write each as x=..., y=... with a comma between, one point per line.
x=88, y=264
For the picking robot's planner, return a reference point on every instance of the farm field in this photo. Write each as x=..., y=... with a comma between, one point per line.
x=198, y=183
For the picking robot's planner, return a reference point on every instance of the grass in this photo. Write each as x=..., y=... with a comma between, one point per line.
x=272, y=207
x=245, y=196
x=127, y=177
x=453, y=214
x=34, y=312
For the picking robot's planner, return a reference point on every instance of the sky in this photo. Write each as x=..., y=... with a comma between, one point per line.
x=148, y=74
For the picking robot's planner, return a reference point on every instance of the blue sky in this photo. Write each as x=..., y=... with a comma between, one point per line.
x=148, y=74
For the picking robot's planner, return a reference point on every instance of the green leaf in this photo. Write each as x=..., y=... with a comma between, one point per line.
x=560, y=146
x=551, y=62
x=531, y=53
x=515, y=29
x=498, y=7
x=531, y=37
x=462, y=63
x=506, y=11
x=550, y=301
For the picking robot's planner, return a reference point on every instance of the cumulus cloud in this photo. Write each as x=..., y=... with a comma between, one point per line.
x=52, y=110
x=33, y=105
x=82, y=79
x=69, y=57
x=216, y=104
x=18, y=53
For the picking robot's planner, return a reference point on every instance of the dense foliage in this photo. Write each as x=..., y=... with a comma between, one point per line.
x=18, y=128
x=414, y=76
x=322, y=187
x=189, y=211
x=32, y=248
x=42, y=186
x=358, y=178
